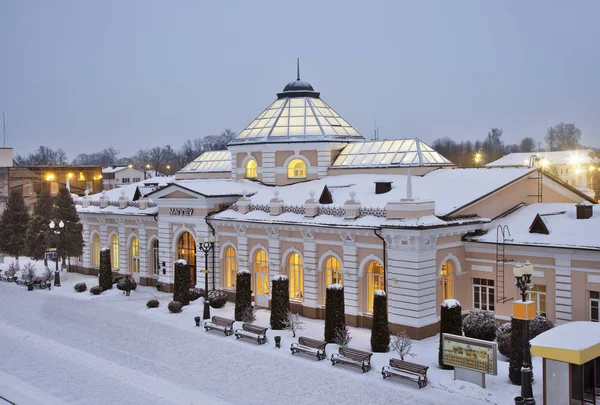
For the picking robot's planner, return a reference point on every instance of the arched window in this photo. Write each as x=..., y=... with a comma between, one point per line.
x=251, y=169
x=114, y=252
x=134, y=263
x=296, y=169
x=446, y=281
x=155, y=258
x=230, y=266
x=375, y=281
x=333, y=271
x=186, y=250
x=296, y=276
x=261, y=272
x=95, y=251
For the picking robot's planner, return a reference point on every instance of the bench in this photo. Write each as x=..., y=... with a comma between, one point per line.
x=353, y=357
x=312, y=346
x=405, y=369
x=252, y=332
x=219, y=323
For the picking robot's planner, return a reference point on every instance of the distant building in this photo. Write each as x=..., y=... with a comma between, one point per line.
x=573, y=167
x=119, y=175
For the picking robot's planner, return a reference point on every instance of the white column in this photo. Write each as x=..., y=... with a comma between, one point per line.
x=123, y=248
x=268, y=167
x=166, y=253
x=143, y=239
x=87, y=243
x=350, y=278
x=275, y=267
x=311, y=275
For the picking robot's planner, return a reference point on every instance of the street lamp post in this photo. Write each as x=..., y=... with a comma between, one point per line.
x=522, y=273
x=61, y=225
x=206, y=247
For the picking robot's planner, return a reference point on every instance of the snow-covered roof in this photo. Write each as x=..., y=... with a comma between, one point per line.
x=212, y=161
x=394, y=153
x=145, y=187
x=584, y=156
x=113, y=169
x=449, y=188
x=579, y=335
x=111, y=209
x=565, y=230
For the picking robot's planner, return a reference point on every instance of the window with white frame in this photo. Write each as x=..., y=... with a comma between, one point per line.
x=594, y=301
x=125, y=180
x=537, y=293
x=483, y=294
x=136, y=179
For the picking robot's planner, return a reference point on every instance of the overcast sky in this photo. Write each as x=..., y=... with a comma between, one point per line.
x=85, y=75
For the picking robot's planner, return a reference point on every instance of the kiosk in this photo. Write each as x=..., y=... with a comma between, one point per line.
x=571, y=363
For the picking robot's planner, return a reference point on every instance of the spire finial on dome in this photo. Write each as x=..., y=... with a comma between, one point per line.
x=298, y=68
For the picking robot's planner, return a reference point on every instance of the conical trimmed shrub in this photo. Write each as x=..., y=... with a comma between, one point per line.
x=105, y=273
x=243, y=294
x=181, y=287
x=335, y=317
x=380, y=332
x=280, y=301
x=450, y=322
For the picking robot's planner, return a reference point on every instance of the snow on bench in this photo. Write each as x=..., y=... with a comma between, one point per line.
x=312, y=346
x=353, y=357
x=405, y=369
x=252, y=332
x=219, y=323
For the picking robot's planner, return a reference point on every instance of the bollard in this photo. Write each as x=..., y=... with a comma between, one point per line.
x=278, y=342
x=197, y=319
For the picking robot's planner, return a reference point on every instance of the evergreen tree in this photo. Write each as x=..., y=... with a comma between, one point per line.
x=105, y=273
x=38, y=233
x=450, y=322
x=71, y=236
x=181, y=285
x=335, y=318
x=280, y=302
x=243, y=294
x=380, y=332
x=14, y=223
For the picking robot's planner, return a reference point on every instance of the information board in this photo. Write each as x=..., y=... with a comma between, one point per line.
x=471, y=354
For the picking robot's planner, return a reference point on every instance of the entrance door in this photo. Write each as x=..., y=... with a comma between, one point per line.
x=186, y=250
x=261, y=279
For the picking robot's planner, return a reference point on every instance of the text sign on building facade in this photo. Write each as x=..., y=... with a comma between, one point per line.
x=181, y=211
x=471, y=354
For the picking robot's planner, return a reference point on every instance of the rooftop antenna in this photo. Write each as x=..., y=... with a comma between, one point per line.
x=376, y=130
x=298, y=68
x=4, y=128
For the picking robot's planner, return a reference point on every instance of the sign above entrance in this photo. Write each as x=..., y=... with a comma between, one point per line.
x=181, y=211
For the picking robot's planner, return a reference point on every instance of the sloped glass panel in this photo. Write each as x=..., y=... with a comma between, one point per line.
x=413, y=146
x=367, y=160
x=377, y=159
x=297, y=102
x=313, y=130
x=408, y=158
x=296, y=131
x=398, y=158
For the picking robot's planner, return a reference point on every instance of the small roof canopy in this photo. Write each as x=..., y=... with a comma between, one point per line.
x=571, y=342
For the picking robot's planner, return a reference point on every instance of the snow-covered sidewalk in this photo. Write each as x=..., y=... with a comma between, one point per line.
x=80, y=348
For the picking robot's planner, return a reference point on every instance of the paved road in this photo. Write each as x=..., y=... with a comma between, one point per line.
x=89, y=352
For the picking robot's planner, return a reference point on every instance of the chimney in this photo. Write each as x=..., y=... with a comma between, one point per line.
x=244, y=203
x=276, y=204
x=585, y=210
x=382, y=187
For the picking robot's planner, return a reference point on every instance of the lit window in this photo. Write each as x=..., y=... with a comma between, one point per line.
x=537, y=293
x=296, y=276
x=296, y=169
x=186, y=250
x=230, y=266
x=333, y=271
x=95, y=251
x=114, y=252
x=54, y=187
x=594, y=301
x=251, y=169
x=155, y=258
x=375, y=282
x=135, y=256
x=483, y=294
x=446, y=280
x=261, y=271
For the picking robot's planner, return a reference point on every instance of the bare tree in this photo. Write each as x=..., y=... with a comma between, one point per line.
x=402, y=344
x=563, y=136
x=527, y=145
x=43, y=155
x=293, y=322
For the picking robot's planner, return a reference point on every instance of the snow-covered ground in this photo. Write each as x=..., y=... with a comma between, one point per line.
x=63, y=347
